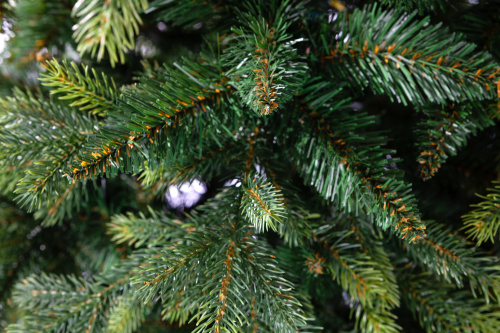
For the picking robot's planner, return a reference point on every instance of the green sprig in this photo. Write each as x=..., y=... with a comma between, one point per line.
x=89, y=91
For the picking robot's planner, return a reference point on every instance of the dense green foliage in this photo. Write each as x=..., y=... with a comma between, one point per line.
x=250, y=166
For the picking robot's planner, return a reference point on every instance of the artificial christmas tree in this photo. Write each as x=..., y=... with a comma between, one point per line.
x=291, y=165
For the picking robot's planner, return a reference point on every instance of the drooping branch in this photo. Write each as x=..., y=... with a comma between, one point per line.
x=414, y=62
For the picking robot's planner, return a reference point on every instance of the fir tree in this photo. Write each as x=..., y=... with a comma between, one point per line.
x=334, y=147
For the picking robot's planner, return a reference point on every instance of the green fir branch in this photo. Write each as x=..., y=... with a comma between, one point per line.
x=301, y=217
x=373, y=291
x=262, y=204
x=124, y=143
x=442, y=308
x=446, y=129
x=406, y=58
x=10, y=176
x=88, y=90
x=295, y=199
x=379, y=317
x=347, y=256
x=31, y=122
x=351, y=169
x=371, y=243
x=160, y=112
x=68, y=202
x=376, y=320
x=107, y=25
x=40, y=136
x=140, y=230
x=482, y=223
x=59, y=303
x=264, y=65
x=223, y=257
x=297, y=228
x=448, y=255
x=127, y=316
x=354, y=271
